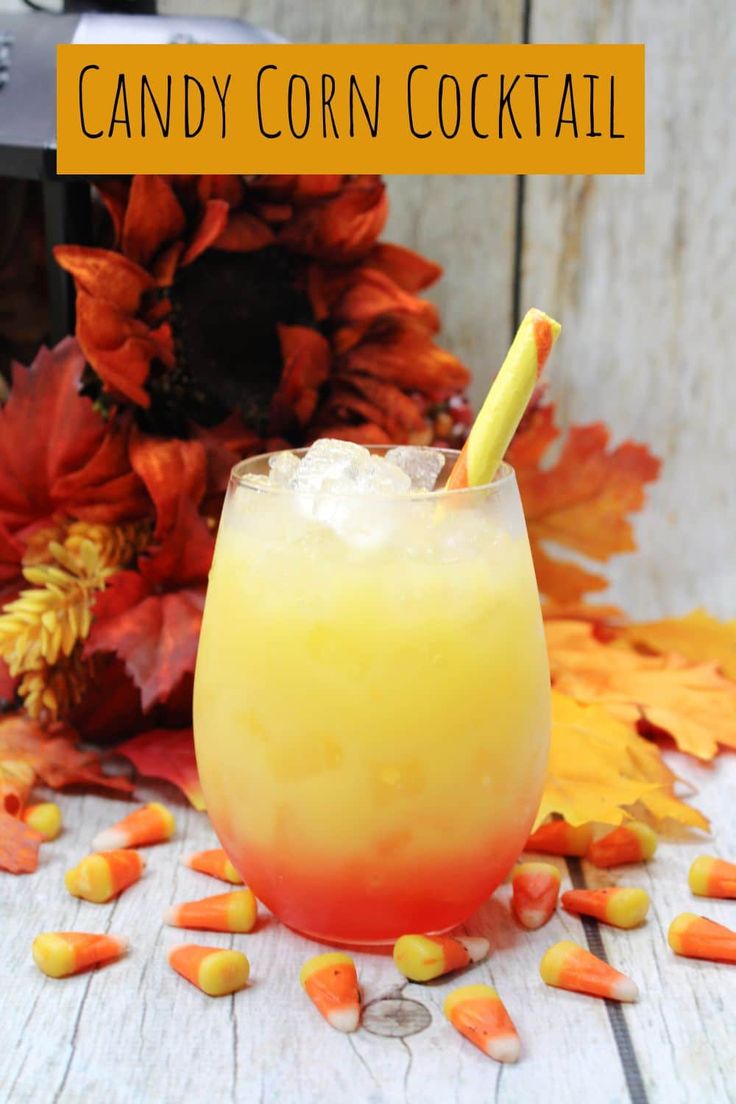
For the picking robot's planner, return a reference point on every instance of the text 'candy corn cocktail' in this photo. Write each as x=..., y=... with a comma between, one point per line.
x=372, y=693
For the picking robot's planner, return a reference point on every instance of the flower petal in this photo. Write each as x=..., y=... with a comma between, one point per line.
x=153, y=217
x=212, y=223
x=107, y=275
x=244, y=233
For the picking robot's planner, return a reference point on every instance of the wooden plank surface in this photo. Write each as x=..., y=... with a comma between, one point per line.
x=641, y=271
x=135, y=1033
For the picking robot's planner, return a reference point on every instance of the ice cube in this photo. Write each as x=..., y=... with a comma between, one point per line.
x=330, y=461
x=381, y=477
x=283, y=466
x=422, y=465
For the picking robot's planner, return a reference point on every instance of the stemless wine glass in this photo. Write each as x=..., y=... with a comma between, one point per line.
x=372, y=704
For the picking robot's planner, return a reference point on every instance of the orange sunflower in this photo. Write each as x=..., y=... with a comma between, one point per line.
x=269, y=297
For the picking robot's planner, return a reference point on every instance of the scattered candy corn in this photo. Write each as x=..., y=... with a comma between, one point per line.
x=623, y=907
x=557, y=837
x=150, y=824
x=331, y=983
x=711, y=877
x=506, y=402
x=104, y=875
x=697, y=937
x=535, y=888
x=214, y=971
x=423, y=957
x=477, y=1012
x=566, y=965
x=629, y=843
x=214, y=862
x=225, y=912
x=59, y=954
x=45, y=818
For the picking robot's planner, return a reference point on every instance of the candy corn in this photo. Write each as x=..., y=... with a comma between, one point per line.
x=59, y=954
x=697, y=937
x=557, y=837
x=423, y=957
x=225, y=912
x=212, y=970
x=151, y=823
x=477, y=1012
x=629, y=843
x=711, y=877
x=623, y=907
x=45, y=818
x=331, y=983
x=535, y=888
x=104, y=875
x=214, y=862
x=569, y=966
x=506, y=402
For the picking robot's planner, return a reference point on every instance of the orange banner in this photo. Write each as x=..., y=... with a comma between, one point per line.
x=350, y=109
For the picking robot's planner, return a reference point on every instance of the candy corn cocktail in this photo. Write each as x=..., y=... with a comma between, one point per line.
x=372, y=696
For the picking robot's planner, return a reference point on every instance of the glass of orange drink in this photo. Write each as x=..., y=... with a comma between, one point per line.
x=372, y=705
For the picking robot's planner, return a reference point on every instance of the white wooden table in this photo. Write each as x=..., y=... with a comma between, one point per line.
x=135, y=1033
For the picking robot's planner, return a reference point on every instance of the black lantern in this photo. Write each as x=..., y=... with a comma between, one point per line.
x=29, y=187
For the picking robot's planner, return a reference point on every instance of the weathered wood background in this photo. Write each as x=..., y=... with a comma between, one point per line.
x=641, y=270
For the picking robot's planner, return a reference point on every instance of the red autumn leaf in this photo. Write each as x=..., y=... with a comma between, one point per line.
x=157, y=640
x=170, y=468
x=184, y=557
x=11, y=552
x=53, y=755
x=581, y=502
x=307, y=357
x=153, y=217
x=167, y=754
x=78, y=464
x=19, y=845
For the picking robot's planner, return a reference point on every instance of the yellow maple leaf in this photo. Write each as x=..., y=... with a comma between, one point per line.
x=691, y=702
x=697, y=636
x=599, y=768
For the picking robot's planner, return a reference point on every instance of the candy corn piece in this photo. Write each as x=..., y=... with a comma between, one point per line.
x=477, y=1012
x=623, y=907
x=150, y=824
x=104, y=875
x=214, y=862
x=214, y=971
x=225, y=912
x=59, y=954
x=331, y=983
x=423, y=957
x=711, y=877
x=629, y=843
x=506, y=402
x=569, y=966
x=557, y=837
x=535, y=889
x=45, y=818
x=697, y=937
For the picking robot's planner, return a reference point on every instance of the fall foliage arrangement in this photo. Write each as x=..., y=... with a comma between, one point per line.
x=225, y=316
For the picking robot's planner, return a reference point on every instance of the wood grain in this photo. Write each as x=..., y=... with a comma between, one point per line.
x=641, y=271
x=136, y=1033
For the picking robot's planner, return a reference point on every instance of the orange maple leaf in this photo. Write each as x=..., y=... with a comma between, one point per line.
x=696, y=636
x=18, y=845
x=691, y=702
x=599, y=768
x=581, y=502
x=168, y=754
x=52, y=754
